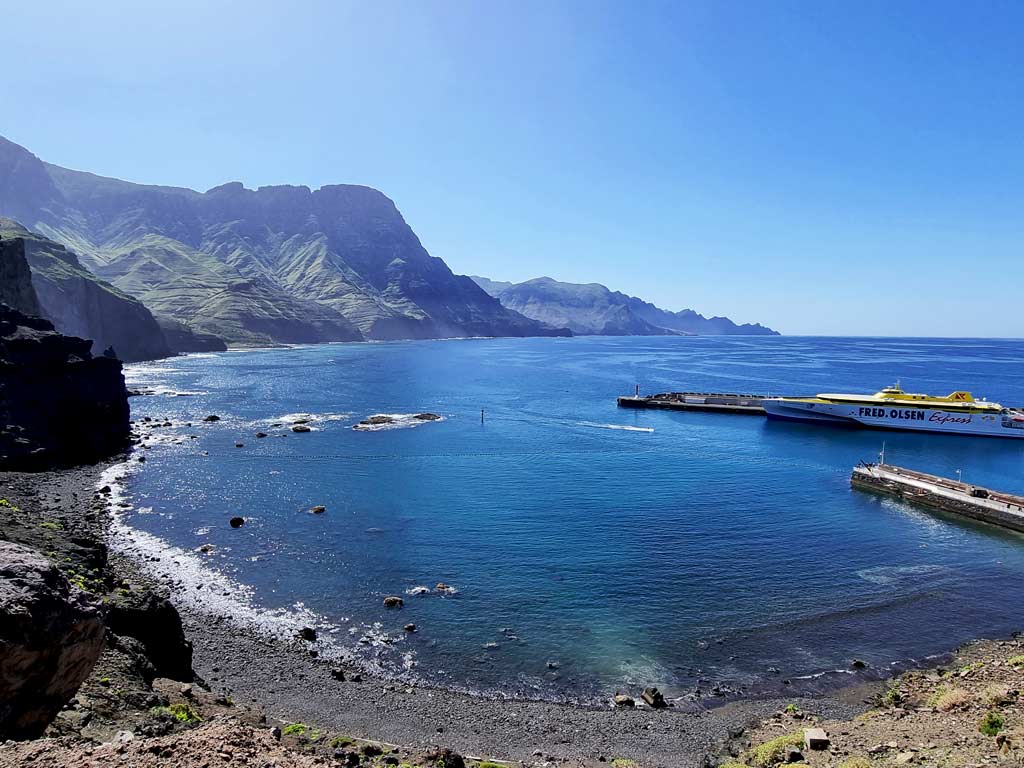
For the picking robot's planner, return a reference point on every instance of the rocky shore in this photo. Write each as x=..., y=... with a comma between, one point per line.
x=166, y=685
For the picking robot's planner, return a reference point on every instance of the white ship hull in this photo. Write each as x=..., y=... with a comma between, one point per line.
x=903, y=417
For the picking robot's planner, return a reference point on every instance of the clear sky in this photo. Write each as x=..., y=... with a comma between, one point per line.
x=821, y=167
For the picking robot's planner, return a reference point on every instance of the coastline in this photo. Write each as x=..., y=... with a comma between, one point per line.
x=280, y=678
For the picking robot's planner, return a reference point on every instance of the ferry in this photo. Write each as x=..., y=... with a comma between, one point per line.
x=892, y=408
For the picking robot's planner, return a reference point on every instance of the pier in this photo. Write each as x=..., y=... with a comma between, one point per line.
x=719, y=402
x=941, y=493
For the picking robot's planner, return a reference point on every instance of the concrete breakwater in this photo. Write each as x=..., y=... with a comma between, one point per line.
x=720, y=402
x=941, y=493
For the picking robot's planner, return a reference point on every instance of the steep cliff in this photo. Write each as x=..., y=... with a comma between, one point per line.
x=272, y=265
x=16, y=278
x=59, y=405
x=79, y=304
x=593, y=309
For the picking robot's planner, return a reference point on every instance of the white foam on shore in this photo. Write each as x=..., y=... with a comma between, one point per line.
x=624, y=427
x=398, y=421
x=201, y=589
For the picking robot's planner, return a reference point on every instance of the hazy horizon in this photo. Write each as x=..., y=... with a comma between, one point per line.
x=821, y=169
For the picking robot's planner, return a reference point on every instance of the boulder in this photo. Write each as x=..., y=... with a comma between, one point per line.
x=236, y=522
x=211, y=417
x=50, y=637
x=308, y=634
x=654, y=698
x=815, y=738
x=318, y=509
x=301, y=428
x=427, y=417
x=156, y=624
x=624, y=701
x=393, y=601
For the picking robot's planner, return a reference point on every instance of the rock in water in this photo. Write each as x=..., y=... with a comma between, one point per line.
x=393, y=601
x=301, y=428
x=427, y=417
x=319, y=509
x=50, y=638
x=236, y=522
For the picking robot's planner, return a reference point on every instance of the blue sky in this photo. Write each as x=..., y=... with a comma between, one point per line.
x=821, y=167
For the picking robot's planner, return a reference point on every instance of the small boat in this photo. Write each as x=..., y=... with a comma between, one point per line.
x=891, y=408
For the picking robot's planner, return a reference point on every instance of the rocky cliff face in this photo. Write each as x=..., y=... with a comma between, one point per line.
x=592, y=309
x=50, y=637
x=16, y=278
x=277, y=264
x=58, y=404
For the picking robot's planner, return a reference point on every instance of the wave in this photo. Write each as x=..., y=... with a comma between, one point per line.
x=624, y=427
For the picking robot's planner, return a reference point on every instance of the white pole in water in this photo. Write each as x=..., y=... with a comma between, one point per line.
x=959, y=473
x=881, y=454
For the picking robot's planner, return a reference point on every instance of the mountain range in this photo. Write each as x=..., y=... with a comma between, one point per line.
x=280, y=264
x=591, y=309
x=155, y=270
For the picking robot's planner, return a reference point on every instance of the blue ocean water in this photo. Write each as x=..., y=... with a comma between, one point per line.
x=587, y=554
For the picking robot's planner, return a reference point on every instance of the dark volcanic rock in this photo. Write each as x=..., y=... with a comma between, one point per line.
x=154, y=622
x=50, y=638
x=58, y=404
x=16, y=278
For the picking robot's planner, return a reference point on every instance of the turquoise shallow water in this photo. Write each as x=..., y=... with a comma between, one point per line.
x=711, y=550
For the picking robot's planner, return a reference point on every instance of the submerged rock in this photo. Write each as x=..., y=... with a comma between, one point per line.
x=393, y=601
x=211, y=417
x=427, y=417
x=301, y=428
x=50, y=638
x=318, y=509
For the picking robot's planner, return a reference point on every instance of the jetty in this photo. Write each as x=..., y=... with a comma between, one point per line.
x=941, y=493
x=720, y=402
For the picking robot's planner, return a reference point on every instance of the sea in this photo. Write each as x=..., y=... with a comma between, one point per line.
x=581, y=548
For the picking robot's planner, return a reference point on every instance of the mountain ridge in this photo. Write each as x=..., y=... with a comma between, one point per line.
x=594, y=309
x=278, y=264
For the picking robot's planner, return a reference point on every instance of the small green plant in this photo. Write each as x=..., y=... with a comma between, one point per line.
x=295, y=729
x=995, y=695
x=489, y=764
x=623, y=762
x=856, y=762
x=7, y=505
x=969, y=668
x=992, y=723
x=774, y=752
x=104, y=681
x=52, y=526
x=341, y=741
x=892, y=697
x=181, y=712
x=792, y=709
x=1016, y=661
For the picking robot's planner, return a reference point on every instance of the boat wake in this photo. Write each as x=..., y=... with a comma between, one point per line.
x=624, y=427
